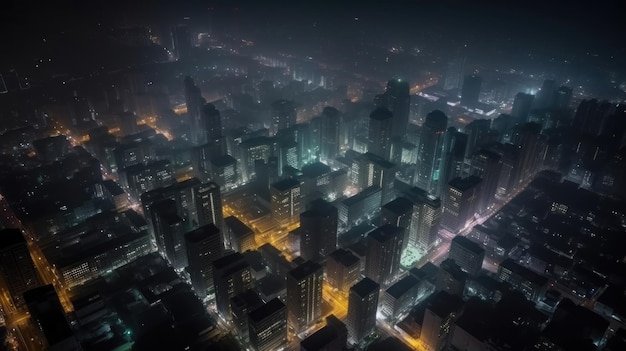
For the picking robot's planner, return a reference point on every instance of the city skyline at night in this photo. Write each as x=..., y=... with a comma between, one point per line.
x=357, y=176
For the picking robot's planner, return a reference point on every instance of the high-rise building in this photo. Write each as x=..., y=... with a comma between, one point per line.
x=210, y=124
x=334, y=336
x=430, y=151
x=283, y=115
x=362, y=306
x=441, y=311
x=467, y=254
x=304, y=294
x=454, y=151
x=521, y=107
x=398, y=212
x=318, y=230
x=241, y=305
x=454, y=73
x=169, y=230
x=563, y=97
x=181, y=41
x=268, y=326
x=17, y=268
x=487, y=165
x=232, y=275
x=397, y=99
x=47, y=313
x=182, y=193
x=343, y=270
x=470, y=92
x=329, y=146
x=528, y=138
x=380, y=124
x=240, y=236
x=477, y=135
x=204, y=245
x=195, y=103
x=285, y=201
x=462, y=196
x=208, y=200
x=425, y=219
x=370, y=169
x=384, y=248
x=546, y=95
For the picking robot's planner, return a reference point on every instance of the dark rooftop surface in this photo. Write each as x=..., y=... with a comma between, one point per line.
x=526, y=273
x=345, y=257
x=10, y=237
x=468, y=244
x=202, y=233
x=269, y=308
x=384, y=232
x=464, y=184
x=304, y=270
x=399, y=205
x=237, y=226
x=315, y=169
x=444, y=303
x=286, y=184
x=365, y=287
x=319, y=339
x=402, y=286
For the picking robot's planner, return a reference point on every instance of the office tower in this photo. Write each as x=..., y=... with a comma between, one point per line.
x=400, y=296
x=17, y=268
x=47, y=313
x=384, y=248
x=318, y=230
x=283, y=115
x=208, y=199
x=169, y=230
x=371, y=169
x=546, y=95
x=333, y=336
x=210, y=124
x=477, y=135
x=454, y=73
x=255, y=148
x=521, y=107
x=329, y=146
x=232, y=275
x=398, y=212
x=397, y=99
x=343, y=270
x=502, y=124
x=510, y=169
x=183, y=193
x=379, y=135
x=362, y=305
x=204, y=245
x=241, y=305
x=453, y=159
x=459, y=204
x=181, y=41
x=425, y=219
x=467, y=254
x=288, y=155
x=285, y=201
x=223, y=172
x=451, y=278
x=430, y=151
x=240, y=236
x=195, y=103
x=304, y=295
x=528, y=138
x=470, y=92
x=441, y=311
x=268, y=326
x=487, y=164
x=563, y=97
x=522, y=279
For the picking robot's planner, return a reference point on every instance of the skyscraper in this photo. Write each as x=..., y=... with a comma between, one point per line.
x=268, y=326
x=318, y=230
x=195, y=103
x=208, y=200
x=546, y=95
x=304, y=294
x=380, y=124
x=384, y=248
x=398, y=212
x=283, y=115
x=521, y=107
x=477, y=135
x=430, y=150
x=285, y=201
x=528, y=138
x=169, y=230
x=210, y=125
x=454, y=73
x=398, y=100
x=181, y=41
x=47, y=313
x=563, y=97
x=343, y=270
x=470, y=92
x=329, y=146
x=460, y=202
x=232, y=275
x=204, y=245
x=425, y=220
x=453, y=159
x=362, y=305
x=467, y=254
x=17, y=267
x=487, y=165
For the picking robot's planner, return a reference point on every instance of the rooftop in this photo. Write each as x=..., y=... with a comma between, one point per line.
x=402, y=286
x=286, y=184
x=464, y=184
x=267, y=309
x=304, y=270
x=399, y=205
x=384, y=232
x=345, y=257
x=468, y=244
x=365, y=287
